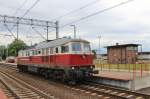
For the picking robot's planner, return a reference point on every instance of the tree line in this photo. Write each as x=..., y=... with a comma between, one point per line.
x=12, y=49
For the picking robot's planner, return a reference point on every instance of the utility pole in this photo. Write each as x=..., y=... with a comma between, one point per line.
x=75, y=29
x=17, y=27
x=17, y=35
x=24, y=21
x=7, y=51
x=99, y=38
x=47, y=29
x=57, y=30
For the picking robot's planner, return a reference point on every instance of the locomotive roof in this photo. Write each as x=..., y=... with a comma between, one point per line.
x=57, y=42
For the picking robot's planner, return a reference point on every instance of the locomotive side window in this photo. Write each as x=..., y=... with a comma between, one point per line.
x=76, y=47
x=28, y=53
x=86, y=47
x=36, y=52
x=56, y=49
x=42, y=51
x=51, y=50
x=22, y=54
x=39, y=52
x=32, y=53
x=47, y=51
x=64, y=49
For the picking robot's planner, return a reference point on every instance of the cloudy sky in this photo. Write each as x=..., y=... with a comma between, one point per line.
x=129, y=23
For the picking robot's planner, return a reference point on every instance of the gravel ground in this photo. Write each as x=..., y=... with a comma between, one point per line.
x=145, y=90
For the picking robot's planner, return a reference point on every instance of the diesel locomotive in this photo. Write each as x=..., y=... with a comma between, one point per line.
x=66, y=59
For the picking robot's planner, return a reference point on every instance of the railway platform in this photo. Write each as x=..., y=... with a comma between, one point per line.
x=2, y=95
x=124, y=79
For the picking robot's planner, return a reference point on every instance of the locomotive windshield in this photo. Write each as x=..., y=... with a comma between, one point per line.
x=76, y=47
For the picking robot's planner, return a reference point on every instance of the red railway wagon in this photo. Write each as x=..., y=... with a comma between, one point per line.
x=67, y=59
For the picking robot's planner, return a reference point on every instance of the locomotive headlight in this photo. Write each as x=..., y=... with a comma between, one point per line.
x=72, y=67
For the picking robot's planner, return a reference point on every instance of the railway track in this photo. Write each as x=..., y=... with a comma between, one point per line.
x=58, y=90
x=8, y=92
x=111, y=92
x=17, y=89
x=96, y=91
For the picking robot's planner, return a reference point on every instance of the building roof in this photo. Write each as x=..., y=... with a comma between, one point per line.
x=123, y=45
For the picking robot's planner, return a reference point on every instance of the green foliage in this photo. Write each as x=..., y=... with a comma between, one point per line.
x=94, y=52
x=3, y=52
x=15, y=46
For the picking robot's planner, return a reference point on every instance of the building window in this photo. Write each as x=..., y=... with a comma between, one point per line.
x=132, y=48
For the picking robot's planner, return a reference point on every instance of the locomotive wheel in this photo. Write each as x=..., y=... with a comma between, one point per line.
x=72, y=82
x=46, y=74
x=64, y=78
x=20, y=69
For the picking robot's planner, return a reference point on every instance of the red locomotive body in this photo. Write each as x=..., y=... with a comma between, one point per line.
x=64, y=58
x=68, y=60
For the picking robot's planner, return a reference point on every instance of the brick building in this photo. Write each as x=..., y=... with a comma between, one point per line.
x=122, y=54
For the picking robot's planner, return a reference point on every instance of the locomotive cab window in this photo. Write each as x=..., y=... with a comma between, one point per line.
x=76, y=47
x=64, y=49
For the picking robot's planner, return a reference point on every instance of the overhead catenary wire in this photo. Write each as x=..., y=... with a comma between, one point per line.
x=39, y=33
x=93, y=14
x=27, y=11
x=33, y=37
x=6, y=26
x=19, y=8
x=98, y=12
x=76, y=10
x=6, y=35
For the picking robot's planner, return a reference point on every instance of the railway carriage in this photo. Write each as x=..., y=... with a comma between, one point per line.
x=67, y=59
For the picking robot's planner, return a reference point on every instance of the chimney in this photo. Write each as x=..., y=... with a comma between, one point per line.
x=117, y=43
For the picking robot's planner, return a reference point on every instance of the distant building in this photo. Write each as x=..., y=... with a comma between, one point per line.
x=144, y=56
x=122, y=54
x=101, y=56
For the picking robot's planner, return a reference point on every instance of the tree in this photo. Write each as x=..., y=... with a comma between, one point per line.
x=94, y=52
x=2, y=52
x=15, y=46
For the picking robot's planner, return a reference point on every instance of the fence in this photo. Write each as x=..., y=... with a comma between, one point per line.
x=137, y=70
